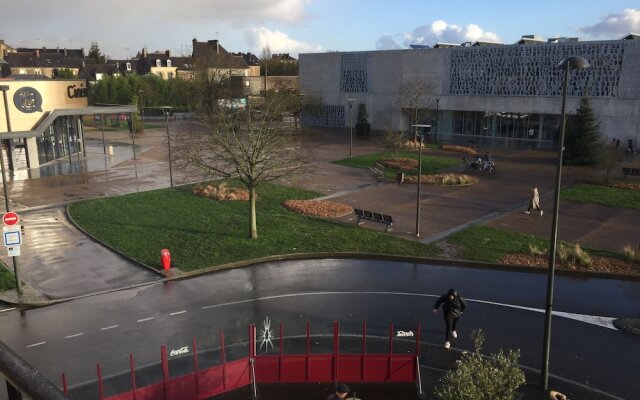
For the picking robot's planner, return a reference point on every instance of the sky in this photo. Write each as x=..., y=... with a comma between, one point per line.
x=124, y=27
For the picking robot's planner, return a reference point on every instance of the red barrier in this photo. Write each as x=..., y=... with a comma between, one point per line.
x=277, y=368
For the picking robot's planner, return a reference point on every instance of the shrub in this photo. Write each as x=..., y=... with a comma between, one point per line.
x=496, y=377
x=574, y=256
x=459, y=149
x=536, y=251
x=221, y=192
x=632, y=254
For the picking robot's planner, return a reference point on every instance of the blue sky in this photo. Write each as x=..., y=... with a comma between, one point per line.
x=123, y=27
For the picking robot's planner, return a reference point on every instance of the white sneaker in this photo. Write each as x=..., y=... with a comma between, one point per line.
x=447, y=344
x=527, y=212
x=454, y=334
x=541, y=212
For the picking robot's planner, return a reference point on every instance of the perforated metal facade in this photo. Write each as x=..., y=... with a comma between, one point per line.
x=355, y=72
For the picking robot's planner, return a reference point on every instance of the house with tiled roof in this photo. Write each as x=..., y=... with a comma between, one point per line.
x=45, y=64
x=95, y=72
x=215, y=57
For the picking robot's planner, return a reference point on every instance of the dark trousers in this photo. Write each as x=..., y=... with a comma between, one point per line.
x=450, y=324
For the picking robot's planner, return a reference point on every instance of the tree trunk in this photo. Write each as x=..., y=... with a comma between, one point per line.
x=252, y=200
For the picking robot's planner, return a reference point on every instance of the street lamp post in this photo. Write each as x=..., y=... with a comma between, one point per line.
x=140, y=93
x=4, y=89
x=437, y=114
x=166, y=110
x=419, y=181
x=566, y=64
x=350, y=126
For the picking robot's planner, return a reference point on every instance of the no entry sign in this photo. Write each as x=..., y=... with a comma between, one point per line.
x=10, y=218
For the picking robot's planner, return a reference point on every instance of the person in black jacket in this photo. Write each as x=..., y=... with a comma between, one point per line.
x=452, y=306
x=342, y=390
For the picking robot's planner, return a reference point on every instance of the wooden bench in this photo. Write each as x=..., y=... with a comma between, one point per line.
x=378, y=170
x=631, y=171
x=373, y=217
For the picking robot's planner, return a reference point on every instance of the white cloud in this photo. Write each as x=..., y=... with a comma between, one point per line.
x=387, y=42
x=437, y=32
x=614, y=26
x=442, y=31
x=277, y=41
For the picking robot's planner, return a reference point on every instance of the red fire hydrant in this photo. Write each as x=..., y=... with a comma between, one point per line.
x=165, y=257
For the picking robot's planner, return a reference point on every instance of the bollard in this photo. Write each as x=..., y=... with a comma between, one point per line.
x=165, y=257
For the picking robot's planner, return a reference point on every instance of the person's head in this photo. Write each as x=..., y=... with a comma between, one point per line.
x=452, y=293
x=342, y=390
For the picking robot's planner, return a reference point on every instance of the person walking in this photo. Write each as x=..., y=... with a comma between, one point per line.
x=342, y=390
x=452, y=307
x=534, y=203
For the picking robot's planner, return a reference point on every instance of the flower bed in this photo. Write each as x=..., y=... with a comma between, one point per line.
x=460, y=149
x=318, y=208
x=443, y=179
x=221, y=192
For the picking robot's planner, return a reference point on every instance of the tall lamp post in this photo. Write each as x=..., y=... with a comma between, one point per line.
x=568, y=63
x=421, y=141
x=437, y=114
x=140, y=93
x=4, y=89
x=350, y=126
x=166, y=110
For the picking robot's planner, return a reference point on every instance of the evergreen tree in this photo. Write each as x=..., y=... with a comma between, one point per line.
x=94, y=52
x=582, y=136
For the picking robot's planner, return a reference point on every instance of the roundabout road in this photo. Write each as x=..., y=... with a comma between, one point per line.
x=74, y=336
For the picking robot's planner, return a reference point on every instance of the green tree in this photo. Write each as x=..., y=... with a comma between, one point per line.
x=476, y=377
x=94, y=52
x=582, y=136
x=63, y=73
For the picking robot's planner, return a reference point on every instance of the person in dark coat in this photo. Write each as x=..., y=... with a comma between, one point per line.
x=342, y=390
x=452, y=306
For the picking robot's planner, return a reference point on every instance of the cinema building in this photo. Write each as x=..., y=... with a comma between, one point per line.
x=44, y=120
x=487, y=94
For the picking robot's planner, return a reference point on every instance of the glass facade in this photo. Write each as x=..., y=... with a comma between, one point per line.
x=61, y=139
x=498, y=129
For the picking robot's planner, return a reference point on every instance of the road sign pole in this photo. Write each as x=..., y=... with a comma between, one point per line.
x=10, y=219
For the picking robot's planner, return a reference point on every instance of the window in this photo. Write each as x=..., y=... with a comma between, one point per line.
x=170, y=75
x=23, y=71
x=158, y=63
x=168, y=63
x=37, y=71
x=128, y=66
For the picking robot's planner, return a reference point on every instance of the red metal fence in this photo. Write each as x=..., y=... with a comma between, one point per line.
x=279, y=368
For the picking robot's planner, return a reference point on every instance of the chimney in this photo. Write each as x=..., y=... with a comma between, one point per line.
x=37, y=53
x=65, y=51
x=144, y=52
x=168, y=53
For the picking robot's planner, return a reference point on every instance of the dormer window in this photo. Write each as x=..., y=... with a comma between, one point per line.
x=168, y=63
x=128, y=66
x=37, y=71
x=158, y=63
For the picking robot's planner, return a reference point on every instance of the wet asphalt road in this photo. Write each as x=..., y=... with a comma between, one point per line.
x=59, y=260
x=73, y=336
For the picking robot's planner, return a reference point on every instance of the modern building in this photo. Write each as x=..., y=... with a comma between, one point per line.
x=44, y=119
x=482, y=93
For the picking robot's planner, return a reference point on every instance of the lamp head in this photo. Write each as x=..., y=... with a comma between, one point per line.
x=574, y=62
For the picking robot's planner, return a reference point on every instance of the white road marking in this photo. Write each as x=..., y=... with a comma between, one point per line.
x=36, y=344
x=106, y=328
x=605, y=322
x=7, y=309
x=145, y=319
x=74, y=335
x=178, y=312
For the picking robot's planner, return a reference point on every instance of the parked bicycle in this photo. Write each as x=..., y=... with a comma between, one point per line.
x=478, y=164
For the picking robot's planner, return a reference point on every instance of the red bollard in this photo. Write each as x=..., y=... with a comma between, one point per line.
x=165, y=257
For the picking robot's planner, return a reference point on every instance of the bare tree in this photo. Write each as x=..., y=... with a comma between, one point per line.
x=414, y=95
x=252, y=146
x=265, y=58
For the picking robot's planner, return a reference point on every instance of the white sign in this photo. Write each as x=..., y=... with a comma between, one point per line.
x=13, y=251
x=11, y=236
x=404, y=334
x=177, y=352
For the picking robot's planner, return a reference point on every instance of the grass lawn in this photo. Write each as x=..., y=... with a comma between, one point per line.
x=430, y=164
x=7, y=281
x=586, y=193
x=488, y=244
x=201, y=232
